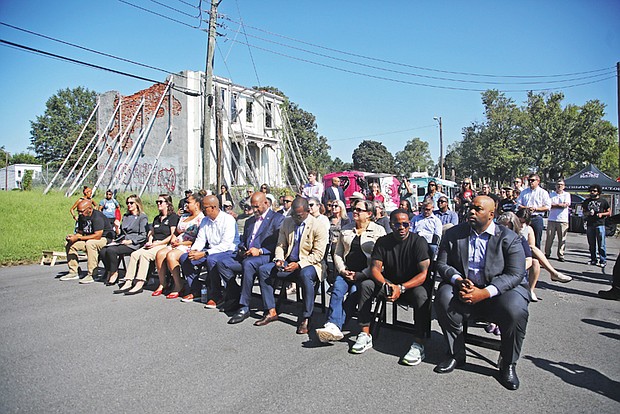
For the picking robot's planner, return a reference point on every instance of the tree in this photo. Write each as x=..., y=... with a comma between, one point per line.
x=339, y=165
x=54, y=133
x=416, y=156
x=24, y=158
x=373, y=156
x=27, y=180
x=540, y=136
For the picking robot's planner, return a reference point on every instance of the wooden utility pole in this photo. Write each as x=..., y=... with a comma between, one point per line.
x=208, y=99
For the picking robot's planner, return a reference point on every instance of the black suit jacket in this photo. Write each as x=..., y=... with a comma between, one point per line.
x=504, y=262
x=267, y=236
x=329, y=194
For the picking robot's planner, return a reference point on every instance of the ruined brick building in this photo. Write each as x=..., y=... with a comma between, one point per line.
x=151, y=140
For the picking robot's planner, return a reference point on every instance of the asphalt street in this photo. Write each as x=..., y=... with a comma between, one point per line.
x=71, y=348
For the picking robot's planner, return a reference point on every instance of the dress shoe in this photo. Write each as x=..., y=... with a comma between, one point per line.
x=611, y=294
x=267, y=319
x=119, y=291
x=240, y=316
x=157, y=292
x=135, y=292
x=448, y=366
x=302, y=328
x=508, y=377
x=188, y=298
x=172, y=295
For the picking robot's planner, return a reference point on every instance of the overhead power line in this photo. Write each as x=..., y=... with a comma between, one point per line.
x=379, y=134
x=91, y=65
x=161, y=15
x=479, y=82
x=405, y=82
x=133, y=62
x=414, y=66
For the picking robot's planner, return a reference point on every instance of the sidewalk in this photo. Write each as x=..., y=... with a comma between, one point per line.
x=66, y=347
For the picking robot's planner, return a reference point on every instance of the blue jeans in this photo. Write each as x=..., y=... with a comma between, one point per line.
x=596, y=235
x=305, y=277
x=339, y=308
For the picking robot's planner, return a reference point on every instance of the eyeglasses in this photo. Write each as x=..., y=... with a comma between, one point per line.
x=442, y=201
x=263, y=188
x=334, y=206
x=227, y=207
x=311, y=204
x=160, y=201
x=131, y=202
x=358, y=210
x=432, y=185
x=404, y=225
x=428, y=209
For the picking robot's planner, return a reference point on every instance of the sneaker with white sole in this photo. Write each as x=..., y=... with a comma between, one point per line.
x=329, y=333
x=70, y=276
x=415, y=355
x=362, y=344
x=86, y=279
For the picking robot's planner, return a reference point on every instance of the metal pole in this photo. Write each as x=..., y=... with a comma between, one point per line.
x=443, y=171
x=618, y=105
x=6, y=171
x=208, y=98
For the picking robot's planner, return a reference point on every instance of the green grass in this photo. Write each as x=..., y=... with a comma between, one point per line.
x=31, y=222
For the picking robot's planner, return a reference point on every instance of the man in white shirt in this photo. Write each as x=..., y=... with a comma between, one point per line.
x=537, y=200
x=558, y=219
x=313, y=188
x=217, y=238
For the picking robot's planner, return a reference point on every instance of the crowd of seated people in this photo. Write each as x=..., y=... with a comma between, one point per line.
x=372, y=254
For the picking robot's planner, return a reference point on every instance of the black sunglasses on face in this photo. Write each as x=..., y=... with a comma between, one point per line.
x=160, y=201
x=404, y=225
x=358, y=210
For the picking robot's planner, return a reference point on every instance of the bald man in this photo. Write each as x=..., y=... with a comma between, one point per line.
x=482, y=267
x=93, y=233
x=216, y=240
x=256, y=247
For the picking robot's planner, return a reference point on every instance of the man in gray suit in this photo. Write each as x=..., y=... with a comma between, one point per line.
x=482, y=266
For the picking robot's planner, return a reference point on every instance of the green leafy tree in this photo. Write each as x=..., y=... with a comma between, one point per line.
x=373, y=156
x=27, y=180
x=4, y=155
x=416, y=156
x=24, y=158
x=54, y=133
x=339, y=165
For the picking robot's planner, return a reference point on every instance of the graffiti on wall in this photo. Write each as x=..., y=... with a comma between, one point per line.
x=162, y=180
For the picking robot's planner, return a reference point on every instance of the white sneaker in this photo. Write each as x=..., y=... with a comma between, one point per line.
x=69, y=276
x=362, y=344
x=329, y=333
x=415, y=355
x=561, y=277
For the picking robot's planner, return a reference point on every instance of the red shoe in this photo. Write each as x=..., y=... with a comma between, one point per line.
x=188, y=298
x=172, y=295
x=157, y=292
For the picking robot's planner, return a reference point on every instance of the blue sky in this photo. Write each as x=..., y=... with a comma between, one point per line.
x=525, y=38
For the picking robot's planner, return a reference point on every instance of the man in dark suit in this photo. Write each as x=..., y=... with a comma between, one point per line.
x=299, y=255
x=335, y=192
x=482, y=266
x=256, y=248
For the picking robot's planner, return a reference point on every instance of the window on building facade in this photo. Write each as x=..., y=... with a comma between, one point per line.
x=233, y=108
x=268, y=118
x=248, y=111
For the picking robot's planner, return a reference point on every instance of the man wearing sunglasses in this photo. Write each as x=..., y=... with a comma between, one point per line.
x=595, y=210
x=399, y=271
x=537, y=200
